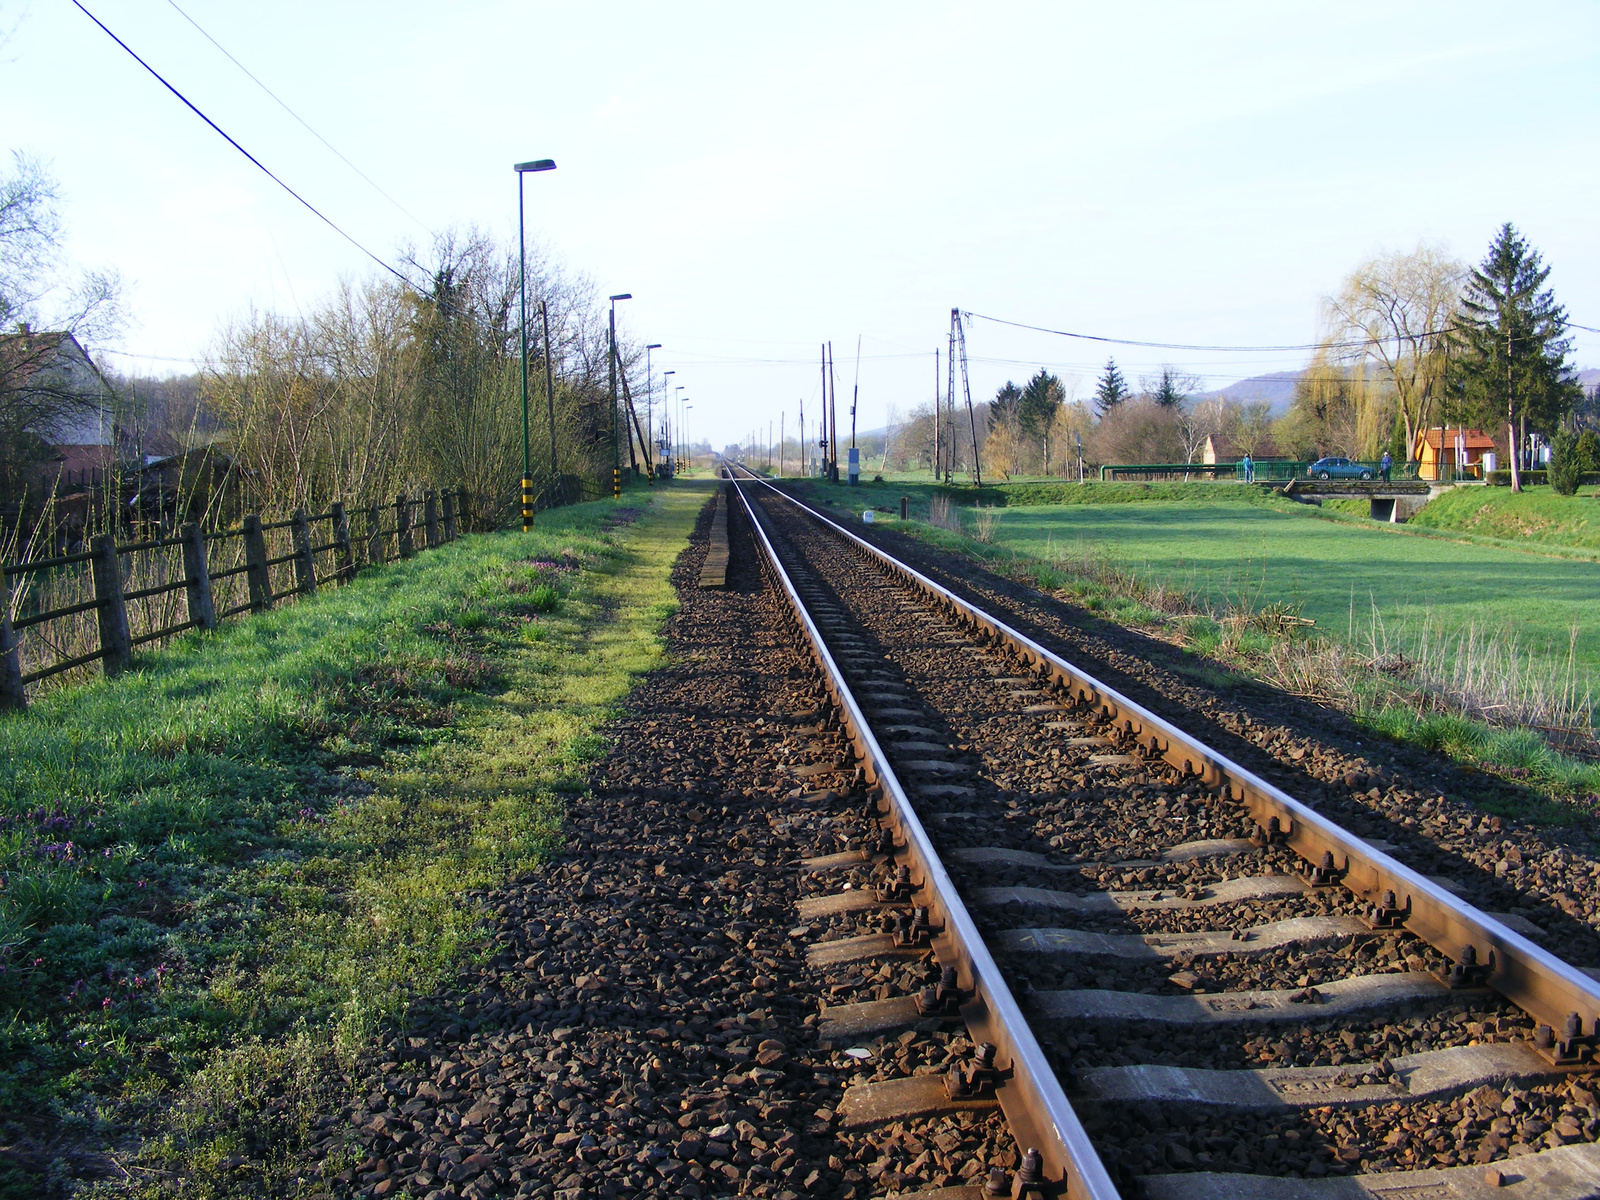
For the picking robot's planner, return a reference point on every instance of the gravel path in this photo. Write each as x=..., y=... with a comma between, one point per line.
x=645, y=1024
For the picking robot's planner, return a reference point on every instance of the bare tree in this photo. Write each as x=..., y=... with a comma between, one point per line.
x=1398, y=309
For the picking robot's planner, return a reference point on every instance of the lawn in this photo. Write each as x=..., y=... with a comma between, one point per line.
x=223, y=871
x=1339, y=573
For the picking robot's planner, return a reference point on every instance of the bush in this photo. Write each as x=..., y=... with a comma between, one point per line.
x=1565, y=463
x=1531, y=478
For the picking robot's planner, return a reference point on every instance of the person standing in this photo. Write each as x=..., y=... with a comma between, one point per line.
x=1248, y=468
x=1385, y=465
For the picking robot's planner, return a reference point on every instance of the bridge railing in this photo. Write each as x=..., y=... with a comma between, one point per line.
x=68, y=612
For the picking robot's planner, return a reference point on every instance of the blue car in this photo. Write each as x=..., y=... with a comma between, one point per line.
x=1338, y=468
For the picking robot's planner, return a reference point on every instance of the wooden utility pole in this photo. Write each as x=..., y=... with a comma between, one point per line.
x=833, y=419
x=936, y=414
x=782, y=437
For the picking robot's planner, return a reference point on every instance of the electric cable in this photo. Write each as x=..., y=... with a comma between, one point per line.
x=259, y=164
x=1092, y=337
x=281, y=103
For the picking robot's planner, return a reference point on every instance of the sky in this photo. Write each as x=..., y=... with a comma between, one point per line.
x=765, y=178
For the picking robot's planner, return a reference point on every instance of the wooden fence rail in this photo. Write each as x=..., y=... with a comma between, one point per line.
x=277, y=560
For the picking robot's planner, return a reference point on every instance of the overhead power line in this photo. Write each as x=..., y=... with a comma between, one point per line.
x=311, y=208
x=281, y=103
x=1093, y=337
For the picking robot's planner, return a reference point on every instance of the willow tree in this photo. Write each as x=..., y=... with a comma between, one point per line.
x=1395, y=312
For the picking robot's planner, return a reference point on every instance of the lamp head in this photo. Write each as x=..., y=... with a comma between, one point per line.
x=538, y=164
x=623, y=296
x=653, y=346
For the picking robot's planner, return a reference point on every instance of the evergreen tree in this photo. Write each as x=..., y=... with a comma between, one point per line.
x=1112, y=389
x=1041, y=398
x=1510, y=345
x=1169, y=391
x=1006, y=405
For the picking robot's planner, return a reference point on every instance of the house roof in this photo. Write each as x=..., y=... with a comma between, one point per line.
x=1476, y=438
x=24, y=354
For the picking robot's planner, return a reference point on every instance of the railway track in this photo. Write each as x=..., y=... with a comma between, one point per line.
x=1182, y=982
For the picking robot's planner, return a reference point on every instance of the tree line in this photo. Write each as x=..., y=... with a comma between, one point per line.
x=378, y=388
x=1409, y=342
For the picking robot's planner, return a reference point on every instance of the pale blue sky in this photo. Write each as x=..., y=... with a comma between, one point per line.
x=764, y=178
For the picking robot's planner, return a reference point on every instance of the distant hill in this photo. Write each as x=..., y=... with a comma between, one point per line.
x=1277, y=389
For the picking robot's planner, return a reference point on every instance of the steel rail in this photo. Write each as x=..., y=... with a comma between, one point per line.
x=1029, y=1092
x=1493, y=955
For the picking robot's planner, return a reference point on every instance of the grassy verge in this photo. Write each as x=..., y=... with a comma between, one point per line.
x=1241, y=633
x=224, y=870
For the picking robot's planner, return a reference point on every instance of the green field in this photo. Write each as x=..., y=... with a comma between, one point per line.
x=1237, y=547
x=1339, y=573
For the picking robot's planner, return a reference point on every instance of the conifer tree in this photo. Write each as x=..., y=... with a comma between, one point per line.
x=1112, y=389
x=1511, y=346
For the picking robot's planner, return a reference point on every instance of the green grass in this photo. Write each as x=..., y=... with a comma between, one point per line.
x=244, y=856
x=1337, y=572
x=1116, y=559
x=1537, y=516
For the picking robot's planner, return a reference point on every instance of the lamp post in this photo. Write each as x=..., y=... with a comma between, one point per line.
x=682, y=445
x=616, y=424
x=669, y=426
x=649, y=396
x=541, y=164
x=688, y=446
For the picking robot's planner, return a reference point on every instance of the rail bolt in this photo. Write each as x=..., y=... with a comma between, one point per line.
x=1029, y=1180
x=1325, y=873
x=899, y=888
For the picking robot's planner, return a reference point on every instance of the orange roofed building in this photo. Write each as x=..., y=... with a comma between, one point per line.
x=1438, y=450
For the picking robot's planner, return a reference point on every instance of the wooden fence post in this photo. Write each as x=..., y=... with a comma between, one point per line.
x=197, y=574
x=11, y=691
x=375, y=538
x=464, y=510
x=402, y=526
x=305, y=562
x=116, y=646
x=255, y=559
x=430, y=518
x=344, y=555
x=448, y=502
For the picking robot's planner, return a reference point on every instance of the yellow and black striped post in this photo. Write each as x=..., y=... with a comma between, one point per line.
x=616, y=483
x=527, y=504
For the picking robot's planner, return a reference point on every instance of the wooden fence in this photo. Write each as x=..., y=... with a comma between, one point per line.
x=67, y=612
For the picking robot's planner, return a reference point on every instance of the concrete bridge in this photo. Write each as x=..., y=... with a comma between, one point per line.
x=1393, y=501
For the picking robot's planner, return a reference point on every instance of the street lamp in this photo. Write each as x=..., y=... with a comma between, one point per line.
x=682, y=421
x=540, y=164
x=669, y=424
x=649, y=397
x=616, y=425
x=688, y=446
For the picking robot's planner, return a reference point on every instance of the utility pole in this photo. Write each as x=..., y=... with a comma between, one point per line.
x=950, y=397
x=833, y=419
x=855, y=396
x=802, y=437
x=966, y=388
x=782, y=437
x=936, y=455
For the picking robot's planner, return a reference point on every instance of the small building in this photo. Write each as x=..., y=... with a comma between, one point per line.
x=51, y=390
x=1451, y=452
x=1218, y=449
